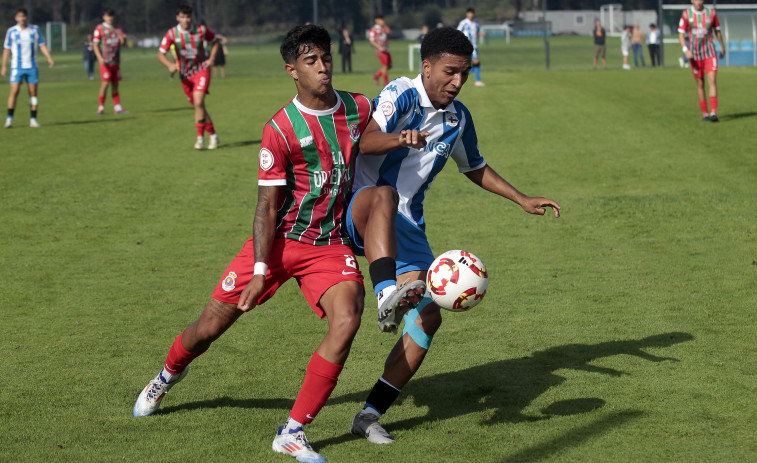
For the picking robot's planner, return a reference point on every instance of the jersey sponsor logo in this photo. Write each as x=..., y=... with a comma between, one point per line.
x=452, y=120
x=354, y=131
x=392, y=88
x=439, y=148
x=229, y=282
x=386, y=108
x=266, y=159
x=306, y=141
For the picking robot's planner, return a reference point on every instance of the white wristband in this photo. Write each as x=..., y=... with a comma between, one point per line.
x=685, y=49
x=261, y=268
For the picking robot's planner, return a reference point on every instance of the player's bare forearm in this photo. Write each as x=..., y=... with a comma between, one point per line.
x=375, y=142
x=682, y=40
x=166, y=62
x=213, y=53
x=264, y=225
x=488, y=179
x=46, y=52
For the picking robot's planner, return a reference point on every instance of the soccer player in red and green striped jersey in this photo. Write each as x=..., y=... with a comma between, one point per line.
x=306, y=165
x=700, y=23
x=194, y=68
x=108, y=39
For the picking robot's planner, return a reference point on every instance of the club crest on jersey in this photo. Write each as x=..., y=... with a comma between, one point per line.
x=387, y=108
x=266, y=159
x=354, y=131
x=229, y=282
x=452, y=119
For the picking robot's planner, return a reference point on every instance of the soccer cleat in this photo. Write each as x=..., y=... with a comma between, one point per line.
x=200, y=143
x=8, y=122
x=705, y=118
x=375, y=79
x=392, y=310
x=33, y=123
x=213, y=142
x=120, y=111
x=479, y=84
x=296, y=445
x=367, y=425
x=714, y=118
x=149, y=399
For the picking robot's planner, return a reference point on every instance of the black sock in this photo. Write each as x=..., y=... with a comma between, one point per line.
x=382, y=269
x=382, y=396
x=34, y=113
x=10, y=112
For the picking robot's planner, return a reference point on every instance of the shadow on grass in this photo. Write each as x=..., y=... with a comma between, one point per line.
x=188, y=107
x=730, y=117
x=93, y=121
x=229, y=402
x=238, y=144
x=501, y=391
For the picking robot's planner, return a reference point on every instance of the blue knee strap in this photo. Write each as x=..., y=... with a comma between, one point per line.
x=416, y=333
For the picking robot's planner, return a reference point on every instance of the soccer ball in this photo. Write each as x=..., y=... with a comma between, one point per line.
x=457, y=280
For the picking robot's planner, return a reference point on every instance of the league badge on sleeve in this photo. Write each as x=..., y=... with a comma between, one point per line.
x=266, y=159
x=386, y=108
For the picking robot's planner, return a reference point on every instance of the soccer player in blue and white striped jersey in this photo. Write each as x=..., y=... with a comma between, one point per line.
x=21, y=43
x=472, y=30
x=418, y=124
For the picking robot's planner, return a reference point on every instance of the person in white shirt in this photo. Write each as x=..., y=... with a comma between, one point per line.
x=20, y=45
x=653, y=44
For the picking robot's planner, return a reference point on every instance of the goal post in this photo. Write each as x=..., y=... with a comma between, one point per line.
x=55, y=32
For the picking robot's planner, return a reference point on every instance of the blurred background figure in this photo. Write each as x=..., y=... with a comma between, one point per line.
x=220, y=62
x=653, y=44
x=88, y=56
x=637, y=41
x=345, y=50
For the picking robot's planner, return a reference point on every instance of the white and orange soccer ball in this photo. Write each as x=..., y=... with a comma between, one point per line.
x=457, y=280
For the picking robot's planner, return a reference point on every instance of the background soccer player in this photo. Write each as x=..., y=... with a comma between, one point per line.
x=700, y=23
x=298, y=233
x=108, y=39
x=419, y=124
x=379, y=37
x=472, y=29
x=194, y=68
x=21, y=43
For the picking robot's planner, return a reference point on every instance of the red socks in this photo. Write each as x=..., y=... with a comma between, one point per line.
x=116, y=99
x=714, y=104
x=178, y=357
x=101, y=100
x=200, y=128
x=209, y=128
x=320, y=380
x=703, y=107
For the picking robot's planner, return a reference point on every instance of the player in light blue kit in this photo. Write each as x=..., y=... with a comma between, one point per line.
x=21, y=43
x=417, y=125
x=472, y=30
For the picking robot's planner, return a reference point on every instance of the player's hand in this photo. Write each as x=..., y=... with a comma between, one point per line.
x=689, y=55
x=722, y=53
x=2, y=71
x=172, y=67
x=101, y=61
x=207, y=64
x=51, y=63
x=250, y=293
x=412, y=139
x=536, y=205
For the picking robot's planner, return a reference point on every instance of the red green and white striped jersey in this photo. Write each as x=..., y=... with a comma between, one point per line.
x=190, y=45
x=311, y=154
x=110, y=38
x=700, y=26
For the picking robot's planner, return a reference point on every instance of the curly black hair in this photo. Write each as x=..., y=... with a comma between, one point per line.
x=301, y=39
x=445, y=40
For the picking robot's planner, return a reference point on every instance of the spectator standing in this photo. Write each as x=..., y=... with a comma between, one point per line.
x=625, y=46
x=89, y=58
x=653, y=44
x=345, y=50
x=637, y=42
x=599, y=44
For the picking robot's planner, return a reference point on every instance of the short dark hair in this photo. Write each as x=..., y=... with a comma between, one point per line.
x=445, y=40
x=185, y=9
x=470, y=10
x=301, y=39
x=22, y=10
x=379, y=16
x=109, y=12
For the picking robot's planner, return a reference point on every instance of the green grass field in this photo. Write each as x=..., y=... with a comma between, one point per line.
x=623, y=331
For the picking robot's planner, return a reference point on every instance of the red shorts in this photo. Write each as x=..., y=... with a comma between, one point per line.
x=199, y=82
x=385, y=58
x=701, y=66
x=316, y=269
x=110, y=72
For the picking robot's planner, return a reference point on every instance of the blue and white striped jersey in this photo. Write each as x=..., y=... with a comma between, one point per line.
x=404, y=105
x=471, y=30
x=23, y=45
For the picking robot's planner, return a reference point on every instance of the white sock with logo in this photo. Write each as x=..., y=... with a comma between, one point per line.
x=385, y=293
x=291, y=426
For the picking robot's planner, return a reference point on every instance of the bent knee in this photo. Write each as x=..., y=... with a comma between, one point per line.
x=430, y=319
x=385, y=194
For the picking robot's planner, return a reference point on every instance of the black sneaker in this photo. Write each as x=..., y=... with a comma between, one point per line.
x=714, y=118
x=705, y=118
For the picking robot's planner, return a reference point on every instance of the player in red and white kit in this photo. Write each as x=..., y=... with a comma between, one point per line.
x=700, y=23
x=108, y=39
x=306, y=166
x=379, y=37
x=194, y=68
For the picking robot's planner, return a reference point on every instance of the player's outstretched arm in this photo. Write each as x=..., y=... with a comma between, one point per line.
x=263, y=228
x=490, y=180
x=166, y=62
x=213, y=52
x=719, y=35
x=6, y=55
x=46, y=52
x=375, y=142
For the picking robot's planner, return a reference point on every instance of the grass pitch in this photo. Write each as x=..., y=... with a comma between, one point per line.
x=622, y=331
